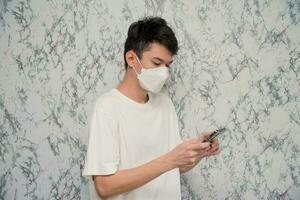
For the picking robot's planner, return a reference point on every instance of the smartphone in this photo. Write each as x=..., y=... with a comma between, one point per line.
x=215, y=134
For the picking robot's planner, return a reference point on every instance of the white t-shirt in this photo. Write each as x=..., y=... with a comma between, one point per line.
x=125, y=134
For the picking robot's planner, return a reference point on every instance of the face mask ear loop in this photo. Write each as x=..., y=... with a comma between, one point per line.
x=135, y=70
x=139, y=63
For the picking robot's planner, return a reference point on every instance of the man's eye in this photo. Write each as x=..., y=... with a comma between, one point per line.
x=157, y=64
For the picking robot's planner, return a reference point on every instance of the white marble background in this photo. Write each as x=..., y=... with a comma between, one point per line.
x=238, y=66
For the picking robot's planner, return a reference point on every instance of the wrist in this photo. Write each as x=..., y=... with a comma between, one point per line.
x=167, y=162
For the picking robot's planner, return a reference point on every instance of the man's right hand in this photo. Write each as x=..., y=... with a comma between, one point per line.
x=189, y=152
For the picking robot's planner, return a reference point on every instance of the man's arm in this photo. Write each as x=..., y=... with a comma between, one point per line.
x=129, y=179
x=184, y=155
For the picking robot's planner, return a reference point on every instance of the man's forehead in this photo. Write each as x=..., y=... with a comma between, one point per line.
x=156, y=50
x=162, y=59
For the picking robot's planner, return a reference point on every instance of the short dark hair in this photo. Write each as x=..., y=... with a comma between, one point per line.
x=146, y=31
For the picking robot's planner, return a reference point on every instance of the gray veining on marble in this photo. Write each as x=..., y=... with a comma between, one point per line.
x=238, y=66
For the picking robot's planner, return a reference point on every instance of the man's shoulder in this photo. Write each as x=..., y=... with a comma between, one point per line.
x=164, y=98
x=106, y=101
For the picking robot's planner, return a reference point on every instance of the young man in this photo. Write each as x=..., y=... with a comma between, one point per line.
x=135, y=151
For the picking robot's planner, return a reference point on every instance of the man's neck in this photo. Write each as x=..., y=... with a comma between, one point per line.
x=131, y=88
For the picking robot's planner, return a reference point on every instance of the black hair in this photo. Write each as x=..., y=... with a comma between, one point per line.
x=146, y=31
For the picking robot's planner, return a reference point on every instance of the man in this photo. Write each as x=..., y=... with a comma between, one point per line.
x=135, y=151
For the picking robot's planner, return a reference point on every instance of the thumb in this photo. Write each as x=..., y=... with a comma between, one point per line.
x=205, y=135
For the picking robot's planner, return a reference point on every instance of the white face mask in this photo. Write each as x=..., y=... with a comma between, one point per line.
x=152, y=79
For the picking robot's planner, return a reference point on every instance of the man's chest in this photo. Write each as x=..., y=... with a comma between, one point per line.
x=143, y=137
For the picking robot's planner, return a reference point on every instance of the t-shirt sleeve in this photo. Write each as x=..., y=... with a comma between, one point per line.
x=102, y=157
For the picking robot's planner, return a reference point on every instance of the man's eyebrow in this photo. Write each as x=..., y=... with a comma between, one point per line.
x=161, y=60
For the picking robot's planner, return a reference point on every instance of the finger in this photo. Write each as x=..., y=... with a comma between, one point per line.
x=196, y=145
x=214, y=144
x=212, y=149
x=199, y=146
x=193, y=141
x=202, y=153
x=215, y=141
x=214, y=152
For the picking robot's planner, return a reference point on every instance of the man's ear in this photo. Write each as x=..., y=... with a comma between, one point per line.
x=130, y=58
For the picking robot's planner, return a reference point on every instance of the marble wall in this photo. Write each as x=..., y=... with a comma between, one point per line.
x=238, y=66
